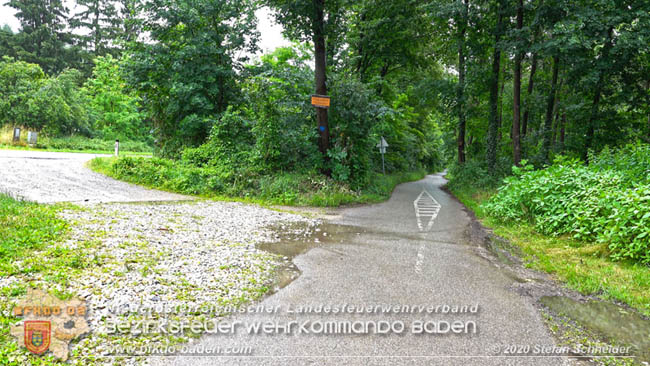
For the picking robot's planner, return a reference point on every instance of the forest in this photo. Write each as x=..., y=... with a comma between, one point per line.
x=551, y=87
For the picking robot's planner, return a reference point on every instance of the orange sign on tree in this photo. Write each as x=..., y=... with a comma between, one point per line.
x=320, y=101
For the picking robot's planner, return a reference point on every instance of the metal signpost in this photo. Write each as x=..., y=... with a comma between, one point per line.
x=382, y=145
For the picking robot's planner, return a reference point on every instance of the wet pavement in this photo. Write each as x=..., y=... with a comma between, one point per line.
x=49, y=177
x=624, y=328
x=391, y=262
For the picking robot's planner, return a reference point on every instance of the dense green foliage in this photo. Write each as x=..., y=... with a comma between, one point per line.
x=272, y=130
x=187, y=76
x=81, y=143
x=583, y=76
x=584, y=266
x=43, y=38
x=115, y=109
x=285, y=188
x=65, y=105
x=608, y=201
x=483, y=82
x=18, y=83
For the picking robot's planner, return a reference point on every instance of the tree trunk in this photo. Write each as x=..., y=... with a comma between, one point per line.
x=502, y=77
x=589, y=140
x=320, y=74
x=360, y=51
x=460, y=92
x=516, y=141
x=556, y=113
x=529, y=93
x=550, y=104
x=493, y=127
x=596, y=101
x=562, y=131
x=97, y=31
x=556, y=124
x=647, y=89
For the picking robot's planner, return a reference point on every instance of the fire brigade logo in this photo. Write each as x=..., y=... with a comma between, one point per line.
x=37, y=335
x=49, y=324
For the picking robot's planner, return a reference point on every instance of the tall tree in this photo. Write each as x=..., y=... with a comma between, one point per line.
x=550, y=105
x=42, y=38
x=314, y=21
x=529, y=94
x=493, y=122
x=100, y=25
x=377, y=49
x=131, y=22
x=516, y=141
x=462, y=21
x=320, y=70
x=187, y=72
x=602, y=74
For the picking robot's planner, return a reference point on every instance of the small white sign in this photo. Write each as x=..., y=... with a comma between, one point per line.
x=32, y=137
x=382, y=143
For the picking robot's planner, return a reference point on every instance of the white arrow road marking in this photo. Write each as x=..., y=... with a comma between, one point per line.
x=420, y=259
x=426, y=207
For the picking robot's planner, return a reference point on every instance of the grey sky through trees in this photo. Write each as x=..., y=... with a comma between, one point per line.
x=271, y=33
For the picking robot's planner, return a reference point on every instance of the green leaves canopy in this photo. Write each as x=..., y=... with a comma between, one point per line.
x=187, y=71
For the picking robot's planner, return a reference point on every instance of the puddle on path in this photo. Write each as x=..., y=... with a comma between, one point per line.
x=296, y=239
x=615, y=324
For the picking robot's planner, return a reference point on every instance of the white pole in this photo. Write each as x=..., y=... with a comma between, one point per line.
x=117, y=148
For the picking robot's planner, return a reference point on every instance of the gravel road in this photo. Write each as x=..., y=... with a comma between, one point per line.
x=139, y=247
x=49, y=177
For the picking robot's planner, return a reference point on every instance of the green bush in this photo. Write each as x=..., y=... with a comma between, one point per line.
x=631, y=162
x=82, y=143
x=474, y=174
x=115, y=109
x=602, y=202
x=309, y=188
x=353, y=113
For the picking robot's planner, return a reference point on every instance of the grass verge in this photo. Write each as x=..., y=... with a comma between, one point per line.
x=72, y=144
x=584, y=267
x=280, y=189
x=103, y=152
x=67, y=251
x=27, y=230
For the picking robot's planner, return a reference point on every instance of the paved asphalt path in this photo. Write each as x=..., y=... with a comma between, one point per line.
x=379, y=255
x=49, y=177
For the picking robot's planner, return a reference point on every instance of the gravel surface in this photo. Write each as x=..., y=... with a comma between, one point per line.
x=49, y=177
x=192, y=254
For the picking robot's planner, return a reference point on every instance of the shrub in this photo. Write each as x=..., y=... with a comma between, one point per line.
x=600, y=202
x=115, y=108
x=474, y=174
x=352, y=116
x=309, y=188
x=84, y=143
x=631, y=162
